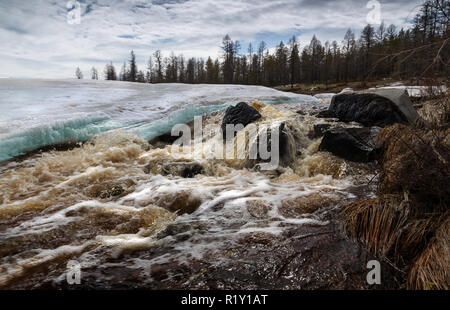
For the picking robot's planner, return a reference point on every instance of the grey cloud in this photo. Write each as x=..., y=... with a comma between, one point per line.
x=37, y=30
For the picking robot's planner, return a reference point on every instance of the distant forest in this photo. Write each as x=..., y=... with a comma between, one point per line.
x=417, y=52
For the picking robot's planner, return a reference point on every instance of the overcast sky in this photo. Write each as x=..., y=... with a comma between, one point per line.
x=37, y=41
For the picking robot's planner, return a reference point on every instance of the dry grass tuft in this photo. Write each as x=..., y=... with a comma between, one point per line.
x=435, y=114
x=430, y=271
x=387, y=227
x=416, y=161
x=409, y=222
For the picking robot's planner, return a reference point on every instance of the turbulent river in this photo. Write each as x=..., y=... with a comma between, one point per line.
x=126, y=211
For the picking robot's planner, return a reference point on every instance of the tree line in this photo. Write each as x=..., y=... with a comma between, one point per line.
x=379, y=52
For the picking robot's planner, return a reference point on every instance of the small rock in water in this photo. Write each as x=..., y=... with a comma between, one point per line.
x=186, y=170
x=324, y=114
x=242, y=113
x=319, y=130
x=181, y=202
x=258, y=209
x=354, y=144
x=181, y=230
x=111, y=192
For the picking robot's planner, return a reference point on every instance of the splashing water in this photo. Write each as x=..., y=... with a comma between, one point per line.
x=113, y=196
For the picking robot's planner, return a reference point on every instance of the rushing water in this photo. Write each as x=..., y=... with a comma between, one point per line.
x=113, y=196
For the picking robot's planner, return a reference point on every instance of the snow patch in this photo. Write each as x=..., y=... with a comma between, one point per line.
x=38, y=113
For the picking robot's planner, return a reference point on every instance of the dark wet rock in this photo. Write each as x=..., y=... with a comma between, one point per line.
x=258, y=209
x=319, y=130
x=112, y=192
x=175, y=229
x=242, y=113
x=287, y=146
x=167, y=138
x=164, y=139
x=325, y=114
x=181, y=230
x=182, y=203
x=183, y=169
x=354, y=144
x=109, y=190
x=379, y=107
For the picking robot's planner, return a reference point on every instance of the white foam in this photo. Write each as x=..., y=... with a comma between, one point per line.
x=47, y=222
x=44, y=255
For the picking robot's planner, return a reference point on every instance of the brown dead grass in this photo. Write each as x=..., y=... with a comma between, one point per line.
x=387, y=227
x=416, y=161
x=409, y=222
x=430, y=271
x=435, y=113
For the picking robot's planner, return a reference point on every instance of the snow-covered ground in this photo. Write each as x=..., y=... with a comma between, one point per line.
x=416, y=91
x=325, y=97
x=413, y=91
x=36, y=113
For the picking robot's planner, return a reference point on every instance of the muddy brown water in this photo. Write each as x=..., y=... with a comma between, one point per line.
x=109, y=206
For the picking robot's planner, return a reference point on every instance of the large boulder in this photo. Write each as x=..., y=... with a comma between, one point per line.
x=242, y=113
x=378, y=107
x=354, y=144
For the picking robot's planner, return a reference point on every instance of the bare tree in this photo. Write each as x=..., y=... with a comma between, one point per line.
x=79, y=74
x=94, y=73
x=159, y=66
